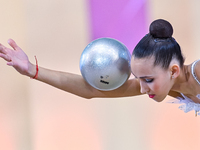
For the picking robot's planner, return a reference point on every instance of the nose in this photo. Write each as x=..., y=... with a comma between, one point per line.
x=143, y=87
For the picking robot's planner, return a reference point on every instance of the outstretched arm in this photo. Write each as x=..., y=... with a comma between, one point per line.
x=71, y=83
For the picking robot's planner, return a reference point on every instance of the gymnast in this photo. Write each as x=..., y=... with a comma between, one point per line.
x=157, y=64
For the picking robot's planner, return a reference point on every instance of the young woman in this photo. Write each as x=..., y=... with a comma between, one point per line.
x=157, y=64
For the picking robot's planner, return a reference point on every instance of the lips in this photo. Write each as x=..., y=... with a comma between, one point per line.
x=151, y=95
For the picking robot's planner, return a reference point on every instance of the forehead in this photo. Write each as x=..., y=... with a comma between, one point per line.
x=144, y=66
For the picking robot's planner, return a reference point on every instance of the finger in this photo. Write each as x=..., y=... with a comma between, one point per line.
x=3, y=49
x=5, y=57
x=10, y=63
x=12, y=43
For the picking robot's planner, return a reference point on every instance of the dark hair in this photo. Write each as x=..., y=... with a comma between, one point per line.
x=160, y=44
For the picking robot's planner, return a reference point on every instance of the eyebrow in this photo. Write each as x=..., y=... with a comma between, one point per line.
x=142, y=76
x=145, y=77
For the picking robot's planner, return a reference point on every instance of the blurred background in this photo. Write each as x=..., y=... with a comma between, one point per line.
x=36, y=116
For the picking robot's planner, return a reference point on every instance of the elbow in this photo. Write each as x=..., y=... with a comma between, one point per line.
x=86, y=96
x=90, y=93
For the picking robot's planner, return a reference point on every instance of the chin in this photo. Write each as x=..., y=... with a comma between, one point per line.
x=159, y=99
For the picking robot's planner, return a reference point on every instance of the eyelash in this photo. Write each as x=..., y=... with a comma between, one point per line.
x=149, y=80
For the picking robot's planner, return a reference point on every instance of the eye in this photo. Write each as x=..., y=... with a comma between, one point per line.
x=149, y=80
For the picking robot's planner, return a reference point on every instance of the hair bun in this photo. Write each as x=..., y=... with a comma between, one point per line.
x=161, y=29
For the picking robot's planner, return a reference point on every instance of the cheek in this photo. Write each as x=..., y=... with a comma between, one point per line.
x=155, y=87
x=160, y=86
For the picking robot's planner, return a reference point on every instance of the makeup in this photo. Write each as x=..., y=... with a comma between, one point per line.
x=151, y=95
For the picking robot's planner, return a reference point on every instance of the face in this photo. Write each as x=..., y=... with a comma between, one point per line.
x=154, y=80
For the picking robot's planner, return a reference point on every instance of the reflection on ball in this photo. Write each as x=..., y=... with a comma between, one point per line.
x=105, y=64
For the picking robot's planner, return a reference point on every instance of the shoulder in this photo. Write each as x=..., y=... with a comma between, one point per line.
x=130, y=88
x=197, y=69
x=174, y=94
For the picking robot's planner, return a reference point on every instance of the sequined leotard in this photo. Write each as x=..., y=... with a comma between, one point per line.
x=188, y=104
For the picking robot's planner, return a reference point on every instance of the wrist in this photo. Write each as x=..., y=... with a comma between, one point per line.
x=33, y=70
x=37, y=69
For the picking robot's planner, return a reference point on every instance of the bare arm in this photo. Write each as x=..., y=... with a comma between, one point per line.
x=75, y=84
x=197, y=70
x=174, y=94
x=68, y=82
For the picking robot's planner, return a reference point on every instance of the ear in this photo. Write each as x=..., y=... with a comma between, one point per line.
x=175, y=70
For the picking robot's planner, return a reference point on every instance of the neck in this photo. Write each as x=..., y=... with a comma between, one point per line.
x=181, y=82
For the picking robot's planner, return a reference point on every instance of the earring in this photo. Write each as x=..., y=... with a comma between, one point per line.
x=172, y=77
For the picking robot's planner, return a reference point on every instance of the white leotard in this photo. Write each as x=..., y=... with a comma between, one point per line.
x=188, y=104
x=193, y=73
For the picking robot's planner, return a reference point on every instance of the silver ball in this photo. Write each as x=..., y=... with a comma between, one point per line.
x=105, y=64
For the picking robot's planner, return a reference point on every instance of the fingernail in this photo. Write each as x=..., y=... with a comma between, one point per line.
x=8, y=41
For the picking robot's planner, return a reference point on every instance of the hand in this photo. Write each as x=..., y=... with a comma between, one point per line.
x=15, y=57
